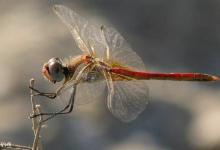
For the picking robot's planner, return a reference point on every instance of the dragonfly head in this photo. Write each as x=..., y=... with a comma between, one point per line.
x=53, y=70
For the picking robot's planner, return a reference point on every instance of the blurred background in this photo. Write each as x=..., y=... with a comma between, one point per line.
x=181, y=36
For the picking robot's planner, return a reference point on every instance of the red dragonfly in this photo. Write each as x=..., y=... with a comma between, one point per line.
x=106, y=61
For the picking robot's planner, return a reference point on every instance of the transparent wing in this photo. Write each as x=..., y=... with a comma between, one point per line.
x=120, y=50
x=128, y=99
x=88, y=92
x=85, y=93
x=89, y=36
x=74, y=23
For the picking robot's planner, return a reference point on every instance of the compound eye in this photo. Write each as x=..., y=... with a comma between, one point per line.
x=56, y=70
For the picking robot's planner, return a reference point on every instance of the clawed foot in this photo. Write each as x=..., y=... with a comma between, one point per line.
x=34, y=116
x=41, y=121
x=38, y=93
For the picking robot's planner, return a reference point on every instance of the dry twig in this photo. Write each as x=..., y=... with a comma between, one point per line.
x=37, y=125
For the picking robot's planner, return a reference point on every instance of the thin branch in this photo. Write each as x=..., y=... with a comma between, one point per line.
x=36, y=127
x=8, y=145
x=33, y=106
x=37, y=145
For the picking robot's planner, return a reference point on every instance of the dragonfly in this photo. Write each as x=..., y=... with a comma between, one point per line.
x=107, y=62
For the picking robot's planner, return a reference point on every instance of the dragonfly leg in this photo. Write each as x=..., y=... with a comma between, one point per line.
x=69, y=106
x=71, y=100
x=105, y=41
x=45, y=94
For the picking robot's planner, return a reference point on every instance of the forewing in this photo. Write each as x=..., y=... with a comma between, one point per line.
x=74, y=23
x=84, y=33
x=89, y=37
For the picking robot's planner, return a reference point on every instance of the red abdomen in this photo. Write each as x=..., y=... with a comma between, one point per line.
x=164, y=76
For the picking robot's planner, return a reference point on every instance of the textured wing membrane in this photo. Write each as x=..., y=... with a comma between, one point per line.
x=120, y=50
x=89, y=37
x=85, y=34
x=85, y=93
x=89, y=92
x=128, y=100
x=74, y=23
